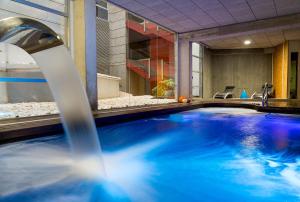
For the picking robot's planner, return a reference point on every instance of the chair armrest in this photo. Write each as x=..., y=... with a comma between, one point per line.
x=226, y=95
x=215, y=95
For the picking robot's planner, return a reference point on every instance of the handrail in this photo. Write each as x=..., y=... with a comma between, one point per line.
x=265, y=95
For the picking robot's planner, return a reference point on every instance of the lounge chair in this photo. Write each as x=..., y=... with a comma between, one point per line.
x=258, y=95
x=227, y=93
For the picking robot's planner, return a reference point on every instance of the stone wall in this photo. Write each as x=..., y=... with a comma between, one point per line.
x=118, y=39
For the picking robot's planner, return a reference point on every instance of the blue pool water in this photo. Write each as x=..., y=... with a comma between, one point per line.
x=212, y=154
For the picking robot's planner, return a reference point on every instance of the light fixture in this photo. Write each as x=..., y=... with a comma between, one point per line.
x=247, y=42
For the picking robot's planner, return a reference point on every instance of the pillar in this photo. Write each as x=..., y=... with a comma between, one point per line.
x=184, y=68
x=85, y=46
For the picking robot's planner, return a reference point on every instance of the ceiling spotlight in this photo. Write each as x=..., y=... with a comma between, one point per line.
x=247, y=42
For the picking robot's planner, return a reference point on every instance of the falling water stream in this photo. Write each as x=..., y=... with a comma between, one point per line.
x=71, y=99
x=48, y=51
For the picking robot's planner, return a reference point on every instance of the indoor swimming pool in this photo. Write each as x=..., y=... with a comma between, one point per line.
x=207, y=155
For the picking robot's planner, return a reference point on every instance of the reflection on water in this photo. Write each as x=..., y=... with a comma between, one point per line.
x=199, y=155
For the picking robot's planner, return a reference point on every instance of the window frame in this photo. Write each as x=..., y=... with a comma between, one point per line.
x=97, y=10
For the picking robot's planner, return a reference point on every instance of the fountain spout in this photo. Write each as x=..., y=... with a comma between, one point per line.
x=48, y=50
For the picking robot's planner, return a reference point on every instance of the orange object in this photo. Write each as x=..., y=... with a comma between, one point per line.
x=181, y=99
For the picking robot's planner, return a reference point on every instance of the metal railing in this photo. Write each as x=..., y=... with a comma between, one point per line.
x=265, y=95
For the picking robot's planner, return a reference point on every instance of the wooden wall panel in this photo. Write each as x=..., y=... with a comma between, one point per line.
x=280, y=70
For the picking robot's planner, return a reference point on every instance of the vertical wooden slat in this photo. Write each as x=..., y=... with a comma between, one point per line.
x=280, y=70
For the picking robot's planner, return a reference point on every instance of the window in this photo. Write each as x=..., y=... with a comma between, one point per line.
x=151, y=60
x=102, y=3
x=101, y=10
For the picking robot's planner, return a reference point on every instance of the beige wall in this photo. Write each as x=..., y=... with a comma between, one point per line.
x=184, y=70
x=79, y=39
x=245, y=69
x=207, y=74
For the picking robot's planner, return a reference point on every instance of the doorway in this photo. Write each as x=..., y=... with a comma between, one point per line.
x=294, y=75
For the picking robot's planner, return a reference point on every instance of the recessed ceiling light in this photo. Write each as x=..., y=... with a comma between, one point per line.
x=247, y=42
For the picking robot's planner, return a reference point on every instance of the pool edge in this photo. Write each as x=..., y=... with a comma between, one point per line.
x=27, y=128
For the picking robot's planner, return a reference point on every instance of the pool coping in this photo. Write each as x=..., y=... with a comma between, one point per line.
x=30, y=127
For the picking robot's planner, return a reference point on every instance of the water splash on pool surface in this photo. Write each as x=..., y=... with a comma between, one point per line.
x=25, y=168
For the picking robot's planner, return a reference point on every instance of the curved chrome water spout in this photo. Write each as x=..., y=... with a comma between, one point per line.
x=28, y=34
x=48, y=51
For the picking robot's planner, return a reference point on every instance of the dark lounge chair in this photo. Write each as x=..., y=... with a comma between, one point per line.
x=258, y=95
x=227, y=93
